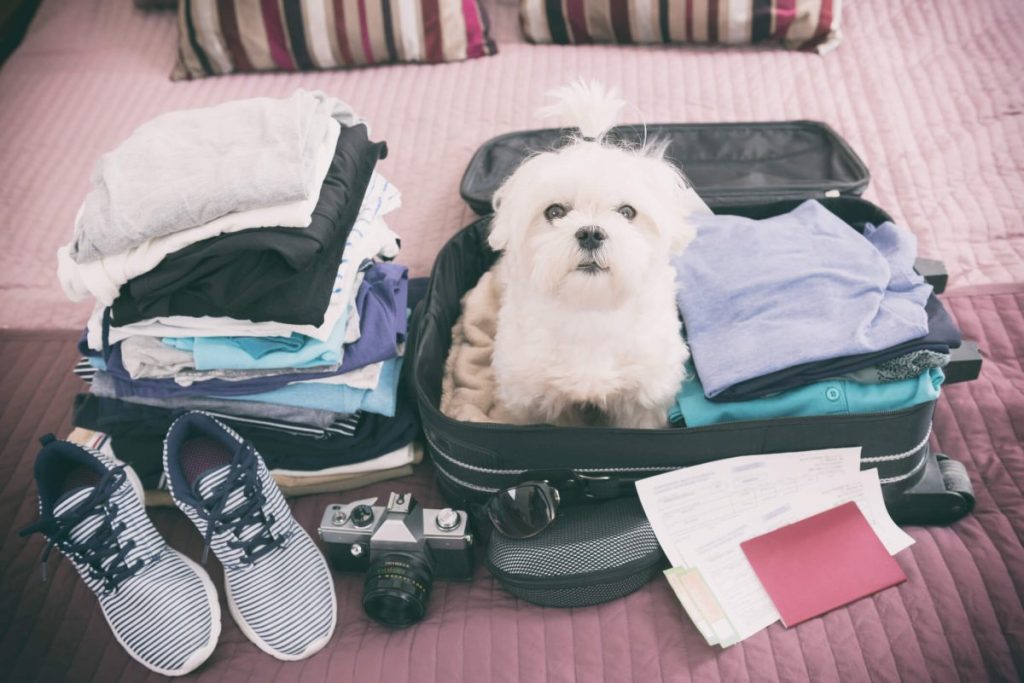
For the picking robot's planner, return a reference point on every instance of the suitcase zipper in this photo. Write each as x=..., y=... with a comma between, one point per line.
x=590, y=470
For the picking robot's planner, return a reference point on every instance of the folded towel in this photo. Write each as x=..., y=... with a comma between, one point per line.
x=186, y=168
x=467, y=386
x=104, y=277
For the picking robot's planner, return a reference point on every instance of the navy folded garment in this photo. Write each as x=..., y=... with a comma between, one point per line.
x=155, y=387
x=137, y=434
x=942, y=336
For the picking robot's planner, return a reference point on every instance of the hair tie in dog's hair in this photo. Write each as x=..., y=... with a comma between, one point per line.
x=589, y=106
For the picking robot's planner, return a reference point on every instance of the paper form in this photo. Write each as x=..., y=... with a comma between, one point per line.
x=701, y=514
x=696, y=497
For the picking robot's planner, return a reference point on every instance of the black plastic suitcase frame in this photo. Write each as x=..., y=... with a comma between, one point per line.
x=752, y=169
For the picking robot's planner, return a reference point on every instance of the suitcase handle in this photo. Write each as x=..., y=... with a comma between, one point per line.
x=964, y=363
x=934, y=273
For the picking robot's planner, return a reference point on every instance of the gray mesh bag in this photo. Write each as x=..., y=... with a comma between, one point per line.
x=590, y=554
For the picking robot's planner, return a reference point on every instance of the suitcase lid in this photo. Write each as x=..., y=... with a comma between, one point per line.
x=727, y=163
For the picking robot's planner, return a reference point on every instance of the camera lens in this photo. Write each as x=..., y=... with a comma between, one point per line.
x=397, y=588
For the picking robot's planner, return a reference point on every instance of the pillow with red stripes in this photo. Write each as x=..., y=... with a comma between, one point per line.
x=230, y=36
x=798, y=24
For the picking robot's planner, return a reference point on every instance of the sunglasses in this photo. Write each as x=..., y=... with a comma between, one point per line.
x=523, y=510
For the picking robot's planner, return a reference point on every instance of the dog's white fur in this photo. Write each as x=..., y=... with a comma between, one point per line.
x=574, y=347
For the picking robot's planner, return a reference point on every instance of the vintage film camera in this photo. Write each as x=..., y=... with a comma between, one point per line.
x=402, y=547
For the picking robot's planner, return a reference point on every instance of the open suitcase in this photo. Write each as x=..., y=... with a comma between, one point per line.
x=752, y=169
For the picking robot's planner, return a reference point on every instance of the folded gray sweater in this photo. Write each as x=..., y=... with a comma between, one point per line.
x=186, y=168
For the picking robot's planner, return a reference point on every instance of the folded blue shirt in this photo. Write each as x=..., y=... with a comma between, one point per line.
x=831, y=397
x=253, y=353
x=338, y=398
x=762, y=296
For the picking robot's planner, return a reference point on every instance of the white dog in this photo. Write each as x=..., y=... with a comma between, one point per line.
x=588, y=331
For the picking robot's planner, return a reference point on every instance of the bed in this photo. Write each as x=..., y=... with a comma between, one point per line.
x=930, y=96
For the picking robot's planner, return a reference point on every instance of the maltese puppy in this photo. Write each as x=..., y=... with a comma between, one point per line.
x=587, y=330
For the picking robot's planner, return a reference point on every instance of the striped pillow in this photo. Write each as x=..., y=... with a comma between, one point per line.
x=800, y=24
x=228, y=36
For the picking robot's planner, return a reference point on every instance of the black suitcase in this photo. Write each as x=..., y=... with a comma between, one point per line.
x=752, y=169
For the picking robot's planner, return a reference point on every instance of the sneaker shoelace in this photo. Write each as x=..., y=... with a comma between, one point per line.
x=243, y=474
x=102, y=552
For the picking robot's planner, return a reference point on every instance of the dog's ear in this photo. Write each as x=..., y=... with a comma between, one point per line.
x=501, y=224
x=681, y=229
x=683, y=233
x=682, y=203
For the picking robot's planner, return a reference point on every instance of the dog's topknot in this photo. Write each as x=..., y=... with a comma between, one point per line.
x=590, y=106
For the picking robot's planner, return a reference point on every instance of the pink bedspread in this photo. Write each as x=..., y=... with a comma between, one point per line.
x=929, y=93
x=958, y=617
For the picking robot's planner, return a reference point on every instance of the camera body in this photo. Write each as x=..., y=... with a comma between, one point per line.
x=357, y=534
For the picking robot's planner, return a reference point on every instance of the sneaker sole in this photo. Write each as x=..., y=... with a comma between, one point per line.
x=310, y=650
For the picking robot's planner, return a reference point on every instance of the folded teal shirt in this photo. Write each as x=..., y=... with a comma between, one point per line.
x=338, y=398
x=831, y=397
x=262, y=353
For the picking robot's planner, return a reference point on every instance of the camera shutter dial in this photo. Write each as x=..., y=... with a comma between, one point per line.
x=447, y=519
x=362, y=515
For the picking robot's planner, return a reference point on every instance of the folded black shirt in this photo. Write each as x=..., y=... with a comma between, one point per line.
x=262, y=274
x=137, y=433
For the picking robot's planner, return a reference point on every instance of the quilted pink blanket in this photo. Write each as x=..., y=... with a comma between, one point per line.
x=929, y=93
x=959, y=616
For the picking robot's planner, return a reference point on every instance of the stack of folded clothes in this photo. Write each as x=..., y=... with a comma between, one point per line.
x=241, y=265
x=804, y=314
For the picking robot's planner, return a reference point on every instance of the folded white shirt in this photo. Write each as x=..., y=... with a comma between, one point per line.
x=402, y=456
x=366, y=377
x=104, y=277
x=185, y=168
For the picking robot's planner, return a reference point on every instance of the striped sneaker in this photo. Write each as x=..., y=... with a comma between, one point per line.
x=161, y=606
x=279, y=589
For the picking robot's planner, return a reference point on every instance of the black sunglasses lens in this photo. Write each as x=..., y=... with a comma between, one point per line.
x=523, y=511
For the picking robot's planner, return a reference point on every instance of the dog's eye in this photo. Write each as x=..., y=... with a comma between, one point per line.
x=627, y=211
x=555, y=211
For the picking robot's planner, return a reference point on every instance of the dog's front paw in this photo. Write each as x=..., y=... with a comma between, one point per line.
x=636, y=416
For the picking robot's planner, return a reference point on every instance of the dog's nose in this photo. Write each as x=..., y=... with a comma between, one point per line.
x=590, y=237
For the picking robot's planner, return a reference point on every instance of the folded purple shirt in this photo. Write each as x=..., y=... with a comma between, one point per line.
x=759, y=296
x=382, y=300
